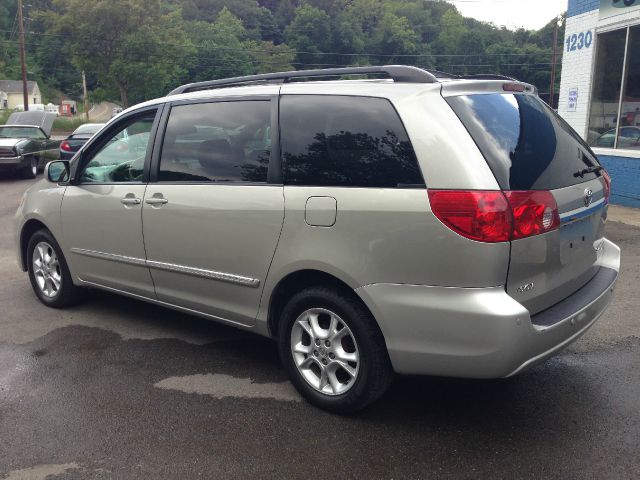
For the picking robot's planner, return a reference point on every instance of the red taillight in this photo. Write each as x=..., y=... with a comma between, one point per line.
x=607, y=186
x=495, y=216
x=484, y=216
x=65, y=146
x=534, y=212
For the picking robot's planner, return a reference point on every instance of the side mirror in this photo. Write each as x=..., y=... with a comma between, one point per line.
x=57, y=171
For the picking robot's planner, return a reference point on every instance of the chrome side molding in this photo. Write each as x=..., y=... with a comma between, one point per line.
x=109, y=256
x=200, y=272
x=170, y=267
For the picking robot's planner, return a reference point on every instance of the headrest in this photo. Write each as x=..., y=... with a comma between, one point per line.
x=182, y=129
x=214, y=152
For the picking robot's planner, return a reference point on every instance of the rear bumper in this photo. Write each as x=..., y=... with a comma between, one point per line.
x=482, y=332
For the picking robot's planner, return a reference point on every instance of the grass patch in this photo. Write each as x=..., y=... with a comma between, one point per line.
x=68, y=124
x=4, y=116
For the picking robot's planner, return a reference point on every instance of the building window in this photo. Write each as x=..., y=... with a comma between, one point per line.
x=615, y=102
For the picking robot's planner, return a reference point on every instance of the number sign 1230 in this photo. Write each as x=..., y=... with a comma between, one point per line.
x=579, y=41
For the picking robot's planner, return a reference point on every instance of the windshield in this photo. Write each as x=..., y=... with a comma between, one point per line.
x=21, y=132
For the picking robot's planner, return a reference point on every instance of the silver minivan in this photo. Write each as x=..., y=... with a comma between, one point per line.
x=420, y=223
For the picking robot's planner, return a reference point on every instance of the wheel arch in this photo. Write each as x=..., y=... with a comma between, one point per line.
x=30, y=227
x=297, y=281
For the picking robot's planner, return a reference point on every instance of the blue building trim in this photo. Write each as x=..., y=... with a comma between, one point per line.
x=625, y=179
x=578, y=7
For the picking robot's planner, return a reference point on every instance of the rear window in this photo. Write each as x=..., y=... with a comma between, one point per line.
x=526, y=144
x=345, y=141
x=87, y=129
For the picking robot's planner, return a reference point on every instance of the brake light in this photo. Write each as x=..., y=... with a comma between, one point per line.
x=494, y=216
x=484, y=216
x=607, y=186
x=65, y=146
x=534, y=212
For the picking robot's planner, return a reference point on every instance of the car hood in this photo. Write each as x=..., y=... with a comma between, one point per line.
x=10, y=142
x=44, y=120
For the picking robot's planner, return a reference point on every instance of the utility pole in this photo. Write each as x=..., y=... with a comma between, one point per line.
x=25, y=94
x=85, y=97
x=552, y=86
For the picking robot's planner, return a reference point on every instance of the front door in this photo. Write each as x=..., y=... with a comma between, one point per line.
x=102, y=208
x=212, y=221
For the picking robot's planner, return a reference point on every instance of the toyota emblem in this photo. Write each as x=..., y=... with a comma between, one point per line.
x=588, y=197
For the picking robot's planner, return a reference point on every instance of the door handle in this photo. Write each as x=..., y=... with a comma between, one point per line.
x=156, y=201
x=130, y=201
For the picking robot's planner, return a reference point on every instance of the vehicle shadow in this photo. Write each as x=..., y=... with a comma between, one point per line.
x=547, y=395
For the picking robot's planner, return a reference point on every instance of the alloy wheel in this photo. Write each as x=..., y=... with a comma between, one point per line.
x=46, y=269
x=325, y=351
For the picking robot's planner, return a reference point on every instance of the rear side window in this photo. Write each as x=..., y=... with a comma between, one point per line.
x=526, y=144
x=217, y=142
x=345, y=141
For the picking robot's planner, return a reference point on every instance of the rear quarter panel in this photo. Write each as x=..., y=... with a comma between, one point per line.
x=381, y=236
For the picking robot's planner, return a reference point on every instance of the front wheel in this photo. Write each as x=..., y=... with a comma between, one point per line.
x=48, y=271
x=31, y=170
x=333, y=350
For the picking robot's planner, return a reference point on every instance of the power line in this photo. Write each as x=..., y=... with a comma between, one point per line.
x=345, y=54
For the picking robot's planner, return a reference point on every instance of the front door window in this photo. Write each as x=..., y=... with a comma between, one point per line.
x=122, y=156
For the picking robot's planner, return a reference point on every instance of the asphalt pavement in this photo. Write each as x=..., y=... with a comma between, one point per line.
x=116, y=388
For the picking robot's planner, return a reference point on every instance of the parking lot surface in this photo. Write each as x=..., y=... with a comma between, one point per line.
x=116, y=388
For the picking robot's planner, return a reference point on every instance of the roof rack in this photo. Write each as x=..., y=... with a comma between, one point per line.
x=398, y=73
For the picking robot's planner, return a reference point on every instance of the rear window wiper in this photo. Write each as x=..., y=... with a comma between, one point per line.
x=584, y=171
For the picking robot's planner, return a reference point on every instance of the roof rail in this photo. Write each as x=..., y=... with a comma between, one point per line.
x=398, y=73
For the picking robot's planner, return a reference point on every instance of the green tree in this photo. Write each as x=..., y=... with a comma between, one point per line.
x=220, y=48
x=310, y=34
x=129, y=45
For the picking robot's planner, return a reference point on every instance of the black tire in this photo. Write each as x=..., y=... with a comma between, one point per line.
x=68, y=294
x=375, y=373
x=31, y=170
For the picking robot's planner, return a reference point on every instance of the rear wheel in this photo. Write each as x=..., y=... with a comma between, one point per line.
x=31, y=170
x=48, y=271
x=333, y=350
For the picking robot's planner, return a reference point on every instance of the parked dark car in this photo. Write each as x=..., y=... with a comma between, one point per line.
x=629, y=138
x=77, y=139
x=25, y=143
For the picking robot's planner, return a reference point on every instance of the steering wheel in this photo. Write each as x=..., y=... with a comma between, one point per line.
x=126, y=172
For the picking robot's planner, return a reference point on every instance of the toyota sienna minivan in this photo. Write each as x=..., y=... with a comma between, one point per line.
x=420, y=223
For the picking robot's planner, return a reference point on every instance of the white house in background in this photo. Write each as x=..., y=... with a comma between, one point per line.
x=11, y=93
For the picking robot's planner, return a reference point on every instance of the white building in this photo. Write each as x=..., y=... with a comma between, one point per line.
x=600, y=90
x=12, y=90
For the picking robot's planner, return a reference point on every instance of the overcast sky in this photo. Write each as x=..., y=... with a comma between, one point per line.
x=530, y=14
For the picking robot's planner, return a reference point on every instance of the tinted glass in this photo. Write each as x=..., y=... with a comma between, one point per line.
x=121, y=158
x=526, y=144
x=345, y=141
x=217, y=142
